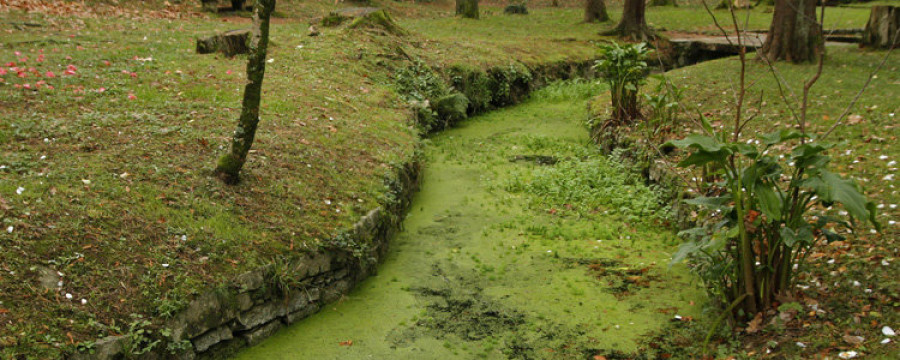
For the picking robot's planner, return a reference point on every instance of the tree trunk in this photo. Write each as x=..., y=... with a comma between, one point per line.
x=467, y=8
x=795, y=34
x=230, y=164
x=595, y=11
x=883, y=28
x=633, y=25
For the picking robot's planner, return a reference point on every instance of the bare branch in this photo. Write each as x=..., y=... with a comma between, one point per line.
x=840, y=119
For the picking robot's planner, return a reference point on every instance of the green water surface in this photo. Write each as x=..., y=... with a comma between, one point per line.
x=488, y=267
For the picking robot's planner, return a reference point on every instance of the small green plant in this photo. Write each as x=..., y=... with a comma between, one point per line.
x=140, y=336
x=421, y=86
x=664, y=107
x=625, y=68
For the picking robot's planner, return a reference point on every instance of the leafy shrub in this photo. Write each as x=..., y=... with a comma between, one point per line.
x=625, y=68
x=767, y=214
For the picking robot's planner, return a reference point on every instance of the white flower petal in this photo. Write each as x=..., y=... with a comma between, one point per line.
x=887, y=331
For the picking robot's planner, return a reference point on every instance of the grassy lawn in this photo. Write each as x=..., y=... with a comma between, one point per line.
x=855, y=282
x=109, y=136
x=106, y=176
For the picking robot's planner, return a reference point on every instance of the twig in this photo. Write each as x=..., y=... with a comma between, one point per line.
x=716, y=21
x=866, y=85
x=812, y=81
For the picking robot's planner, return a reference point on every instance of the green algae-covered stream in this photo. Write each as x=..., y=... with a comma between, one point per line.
x=524, y=242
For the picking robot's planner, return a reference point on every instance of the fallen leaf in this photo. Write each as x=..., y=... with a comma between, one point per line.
x=755, y=325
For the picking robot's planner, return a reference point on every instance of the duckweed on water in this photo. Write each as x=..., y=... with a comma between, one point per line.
x=485, y=269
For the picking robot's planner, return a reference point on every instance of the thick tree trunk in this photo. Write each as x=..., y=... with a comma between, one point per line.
x=230, y=164
x=467, y=8
x=633, y=25
x=595, y=11
x=883, y=28
x=795, y=34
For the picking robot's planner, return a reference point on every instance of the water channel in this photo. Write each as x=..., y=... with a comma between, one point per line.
x=523, y=243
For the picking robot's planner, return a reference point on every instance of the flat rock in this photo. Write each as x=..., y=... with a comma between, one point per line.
x=256, y=336
x=212, y=337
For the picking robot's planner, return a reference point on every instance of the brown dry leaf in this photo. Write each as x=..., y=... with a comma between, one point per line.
x=854, y=119
x=755, y=325
x=346, y=343
x=853, y=339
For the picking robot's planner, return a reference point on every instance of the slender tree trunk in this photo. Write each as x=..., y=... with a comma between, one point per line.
x=633, y=25
x=595, y=11
x=794, y=34
x=230, y=164
x=467, y=8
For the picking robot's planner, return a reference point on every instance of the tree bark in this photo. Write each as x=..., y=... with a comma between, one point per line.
x=633, y=25
x=595, y=11
x=229, y=166
x=467, y=8
x=882, y=28
x=795, y=35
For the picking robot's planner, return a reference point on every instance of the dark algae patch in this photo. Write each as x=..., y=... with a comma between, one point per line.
x=523, y=243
